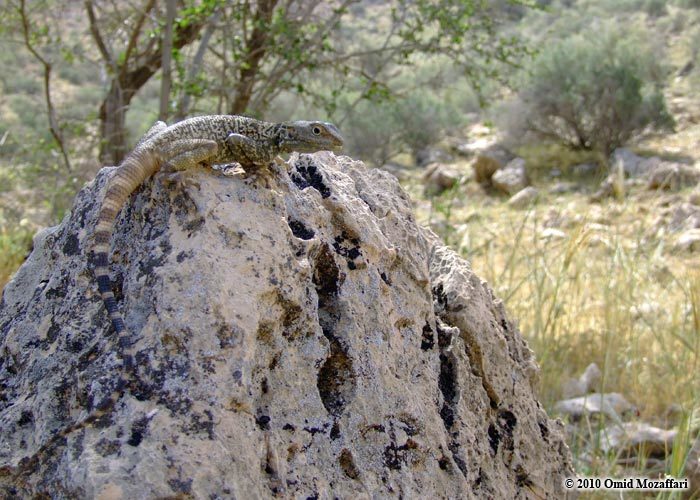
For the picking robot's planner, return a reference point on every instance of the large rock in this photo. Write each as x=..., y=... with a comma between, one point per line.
x=613, y=405
x=439, y=177
x=637, y=438
x=511, y=178
x=480, y=139
x=591, y=376
x=631, y=164
x=673, y=176
x=296, y=335
x=488, y=161
x=429, y=155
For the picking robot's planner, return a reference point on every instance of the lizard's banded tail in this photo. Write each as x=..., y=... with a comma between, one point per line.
x=136, y=168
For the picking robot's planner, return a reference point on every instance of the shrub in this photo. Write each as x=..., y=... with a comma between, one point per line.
x=656, y=8
x=379, y=130
x=372, y=132
x=422, y=117
x=592, y=91
x=689, y=4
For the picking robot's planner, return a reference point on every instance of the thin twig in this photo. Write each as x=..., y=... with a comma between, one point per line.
x=53, y=122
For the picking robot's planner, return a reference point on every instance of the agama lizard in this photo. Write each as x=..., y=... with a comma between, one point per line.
x=203, y=139
x=213, y=139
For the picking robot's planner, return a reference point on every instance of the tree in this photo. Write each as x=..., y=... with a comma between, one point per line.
x=253, y=51
x=34, y=35
x=321, y=50
x=592, y=92
x=139, y=57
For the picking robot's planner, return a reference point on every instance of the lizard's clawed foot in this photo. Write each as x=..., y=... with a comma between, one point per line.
x=279, y=161
x=229, y=169
x=182, y=177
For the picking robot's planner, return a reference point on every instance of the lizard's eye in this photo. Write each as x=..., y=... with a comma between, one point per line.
x=316, y=130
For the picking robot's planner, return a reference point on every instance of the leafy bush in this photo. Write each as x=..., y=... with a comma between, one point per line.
x=371, y=132
x=378, y=130
x=592, y=91
x=656, y=8
x=690, y=4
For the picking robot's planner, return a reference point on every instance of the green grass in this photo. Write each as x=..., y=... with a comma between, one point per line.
x=14, y=247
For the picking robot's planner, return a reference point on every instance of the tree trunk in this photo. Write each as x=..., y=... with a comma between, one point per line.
x=257, y=46
x=127, y=82
x=113, y=145
x=166, y=74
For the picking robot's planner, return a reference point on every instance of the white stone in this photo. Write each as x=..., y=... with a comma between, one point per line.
x=511, y=178
x=688, y=241
x=524, y=198
x=551, y=233
x=612, y=405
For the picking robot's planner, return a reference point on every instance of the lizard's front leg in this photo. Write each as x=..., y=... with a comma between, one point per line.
x=184, y=154
x=187, y=153
x=248, y=152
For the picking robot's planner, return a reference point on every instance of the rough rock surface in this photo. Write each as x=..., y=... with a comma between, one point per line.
x=296, y=335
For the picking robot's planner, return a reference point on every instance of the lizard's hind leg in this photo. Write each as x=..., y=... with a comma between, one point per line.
x=187, y=153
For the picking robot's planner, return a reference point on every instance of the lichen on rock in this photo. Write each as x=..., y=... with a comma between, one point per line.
x=295, y=336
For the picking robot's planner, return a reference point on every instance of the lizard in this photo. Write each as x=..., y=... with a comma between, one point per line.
x=204, y=139
x=208, y=140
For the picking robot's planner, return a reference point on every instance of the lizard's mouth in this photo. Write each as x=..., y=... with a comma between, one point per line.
x=334, y=146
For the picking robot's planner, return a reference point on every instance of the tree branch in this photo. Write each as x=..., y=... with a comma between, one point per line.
x=53, y=122
x=133, y=39
x=97, y=36
x=166, y=60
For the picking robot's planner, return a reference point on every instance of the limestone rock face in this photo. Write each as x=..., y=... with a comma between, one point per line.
x=295, y=335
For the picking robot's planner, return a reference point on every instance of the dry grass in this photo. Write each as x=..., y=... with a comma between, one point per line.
x=607, y=288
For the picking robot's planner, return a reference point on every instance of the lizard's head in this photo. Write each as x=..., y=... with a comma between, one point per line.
x=309, y=137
